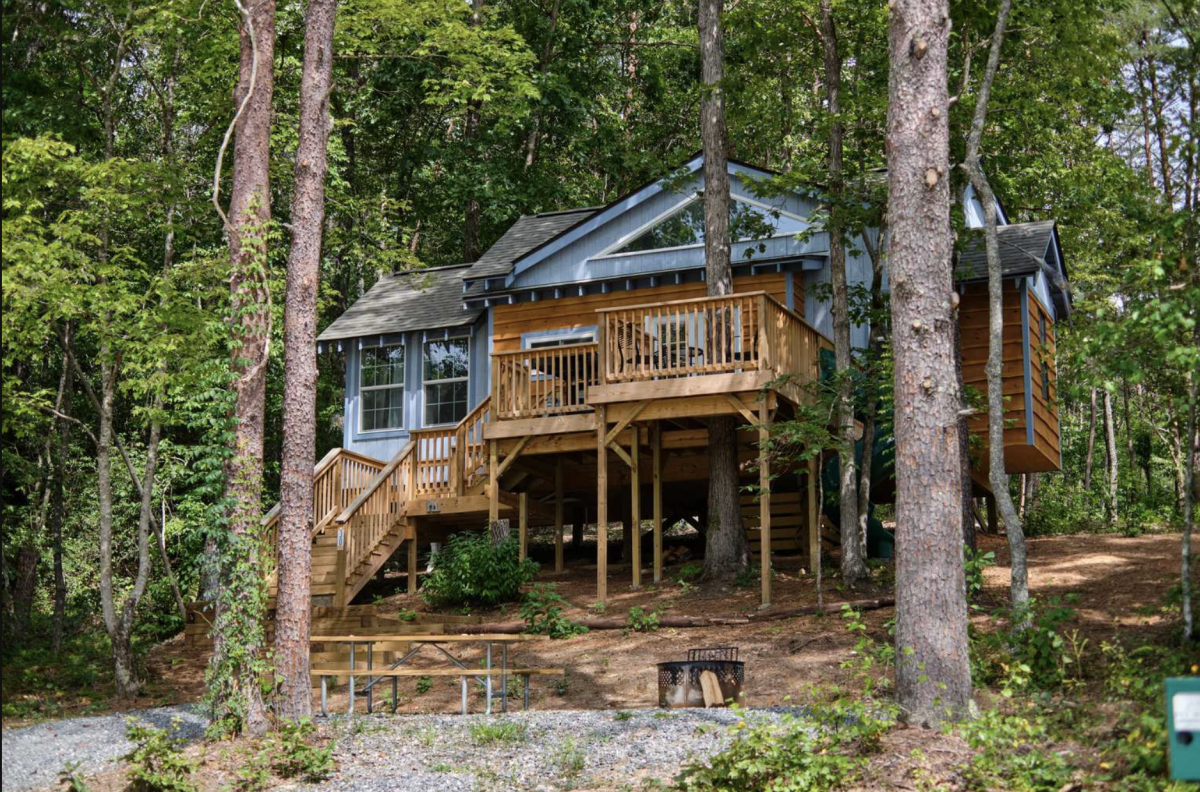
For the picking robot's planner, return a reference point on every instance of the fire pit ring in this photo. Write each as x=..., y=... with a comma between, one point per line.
x=681, y=682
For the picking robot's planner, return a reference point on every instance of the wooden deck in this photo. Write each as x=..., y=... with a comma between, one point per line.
x=640, y=395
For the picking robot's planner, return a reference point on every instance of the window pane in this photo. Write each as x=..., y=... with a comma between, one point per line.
x=686, y=227
x=382, y=366
x=382, y=409
x=445, y=402
x=445, y=359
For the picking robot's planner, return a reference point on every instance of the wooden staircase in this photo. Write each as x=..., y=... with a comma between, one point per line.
x=361, y=505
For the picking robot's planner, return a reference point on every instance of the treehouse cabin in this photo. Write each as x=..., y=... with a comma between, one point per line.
x=568, y=377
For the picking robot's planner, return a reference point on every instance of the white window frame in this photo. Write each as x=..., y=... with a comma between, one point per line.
x=426, y=382
x=553, y=339
x=362, y=389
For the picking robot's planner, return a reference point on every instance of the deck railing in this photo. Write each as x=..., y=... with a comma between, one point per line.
x=533, y=383
x=709, y=335
x=433, y=459
x=370, y=516
x=472, y=460
x=790, y=344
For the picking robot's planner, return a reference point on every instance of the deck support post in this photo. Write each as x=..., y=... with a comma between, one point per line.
x=493, y=482
x=656, y=464
x=764, y=503
x=558, y=515
x=601, y=505
x=814, y=527
x=634, y=529
x=339, y=575
x=412, y=559
x=523, y=523
x=993, y=522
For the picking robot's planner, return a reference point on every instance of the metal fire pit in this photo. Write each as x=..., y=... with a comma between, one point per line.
x=679, y=680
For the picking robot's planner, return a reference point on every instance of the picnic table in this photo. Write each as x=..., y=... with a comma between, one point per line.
x=414, y=645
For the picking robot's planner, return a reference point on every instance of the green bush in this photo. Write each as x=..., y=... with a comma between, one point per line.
x=157, y=762
x=641, y=620
x=1042, y=656
x=827, y=752
x=470, y=570
x=294, y=754
x=974, y=563
x=1010, y=754
x=542, y=611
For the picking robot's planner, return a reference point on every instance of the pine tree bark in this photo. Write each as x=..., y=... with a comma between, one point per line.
x=250, y=319
x=725, y=552
x=1091, y=444
x=1110, y=457
x=854, y=567
x=933, y=680
x=294, y=600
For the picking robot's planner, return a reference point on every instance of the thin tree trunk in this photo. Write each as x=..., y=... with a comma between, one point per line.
x=1110, y=456
x=854, y=567
x=243, y=578
x=725, y=552
x=294, y=598
x=1091, y=444
x=933, y=679
x=58, y=505
x=997, y=476
x=1191, y=492
x=875, y=342
x=474, y=209
x=964, y=446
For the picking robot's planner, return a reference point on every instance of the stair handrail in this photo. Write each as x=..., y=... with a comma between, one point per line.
x=460, y=476
x=377, y=482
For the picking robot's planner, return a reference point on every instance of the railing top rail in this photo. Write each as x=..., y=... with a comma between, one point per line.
x=376, y=482
x=710, y=298
x=527, y=352
x=330, y=457
x=798, y=317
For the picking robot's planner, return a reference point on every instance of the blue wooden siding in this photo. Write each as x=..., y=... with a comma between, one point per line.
x=384, y=444
x=580, y=260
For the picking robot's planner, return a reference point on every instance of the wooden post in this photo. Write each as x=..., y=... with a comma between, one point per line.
x=764, y=504
x=656, y=463
x=523, y=523
x=412, y=559
x=558, y=515
x=339, y=576
x=993, y=525
x=814, y=527
x=493, y=482
x=635, y=509
x=601, y=505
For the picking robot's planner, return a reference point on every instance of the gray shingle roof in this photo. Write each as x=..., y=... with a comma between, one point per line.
x=1023, y=248
x=529, y=232
x=421, y=300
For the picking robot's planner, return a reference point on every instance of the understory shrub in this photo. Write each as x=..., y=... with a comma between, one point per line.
x=822, y=753
x=157, y=762
x=295, y=754
x=1043, y=656
x=1011, y=753
x=470, y=570
x=542, y=610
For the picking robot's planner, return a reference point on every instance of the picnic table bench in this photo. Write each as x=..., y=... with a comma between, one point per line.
x=414, y=644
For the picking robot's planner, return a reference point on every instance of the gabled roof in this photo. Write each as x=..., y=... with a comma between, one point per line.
x=1024, y=248
x=426, y=299
x=522, y=237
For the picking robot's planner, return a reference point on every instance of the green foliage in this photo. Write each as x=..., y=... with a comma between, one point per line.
x=424, y=685
x=157, y=762
x=568, y=759
x=294, y=753
x=974, y=563
x=641, y=620
x=824, y=753
x=871, y=659
x=470, y=570
x=542, y=609
x=70, y=778
x=1010, y=754
x=497, y=732
x=1041, y=655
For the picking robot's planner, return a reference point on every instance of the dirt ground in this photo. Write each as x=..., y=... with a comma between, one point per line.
x=1119, y=583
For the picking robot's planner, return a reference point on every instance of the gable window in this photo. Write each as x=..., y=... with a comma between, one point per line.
x=685, y=227
x=381, y=386
x=446, y=376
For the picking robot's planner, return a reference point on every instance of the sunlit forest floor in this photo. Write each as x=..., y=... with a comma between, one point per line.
x=1113, y=591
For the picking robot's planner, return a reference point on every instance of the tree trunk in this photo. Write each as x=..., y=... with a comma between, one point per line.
x=474, y=210
x=58, y=505
x=294, y=599
x=964, y=446
x=854, y=568
x=933, y=679
x=725, y=552
x=1191, y=493
x=1091, y=444
x=997, y=476
x=875, y=342
x=1110, y=456
x=241, y=607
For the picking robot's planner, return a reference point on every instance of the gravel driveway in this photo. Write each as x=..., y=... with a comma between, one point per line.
x=540, y=750
x=34, y=756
